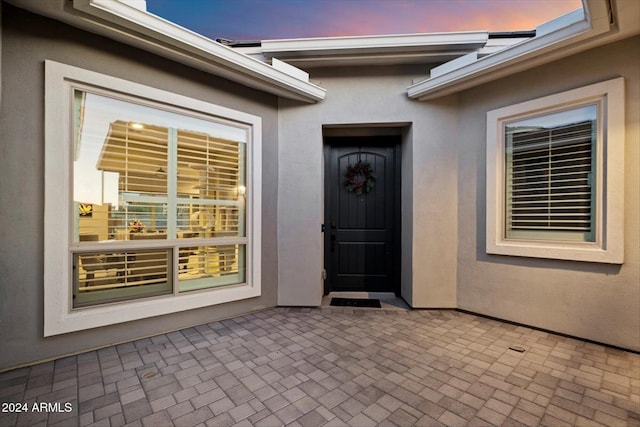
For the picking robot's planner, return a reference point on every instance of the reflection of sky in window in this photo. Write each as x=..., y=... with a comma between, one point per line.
x=560, y=118
x=94, y=186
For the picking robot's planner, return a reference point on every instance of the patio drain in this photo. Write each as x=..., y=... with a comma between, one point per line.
x=147, y=375
x=517, y=348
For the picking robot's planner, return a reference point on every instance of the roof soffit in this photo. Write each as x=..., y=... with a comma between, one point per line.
x=572, y=33
x=372, y=50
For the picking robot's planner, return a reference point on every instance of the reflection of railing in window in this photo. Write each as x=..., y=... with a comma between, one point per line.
x=101, y=270
x=227, y=221
x=209, y=261
x=110, y=276
x=98, y=262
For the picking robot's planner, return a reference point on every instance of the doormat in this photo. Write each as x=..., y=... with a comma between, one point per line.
x=355, y=302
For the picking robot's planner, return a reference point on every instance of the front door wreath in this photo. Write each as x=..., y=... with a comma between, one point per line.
x=359, y=178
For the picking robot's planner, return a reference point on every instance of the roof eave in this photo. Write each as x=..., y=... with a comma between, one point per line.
x=561, y=37
x=121, y=21
x=376, y=49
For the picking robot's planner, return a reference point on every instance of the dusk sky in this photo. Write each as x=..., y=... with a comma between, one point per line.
x=274, y=19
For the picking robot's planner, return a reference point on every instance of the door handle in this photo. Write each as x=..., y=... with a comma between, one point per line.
x=332, y=239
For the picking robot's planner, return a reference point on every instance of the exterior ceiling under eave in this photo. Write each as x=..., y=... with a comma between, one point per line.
x=372, y=59
x=374, y=50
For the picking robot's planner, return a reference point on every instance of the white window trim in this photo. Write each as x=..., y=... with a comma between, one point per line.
x=609, y=216
x=59, y=317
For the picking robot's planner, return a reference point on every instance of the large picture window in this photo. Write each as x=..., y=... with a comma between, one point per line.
x=161, y=213
x=555, y=176
x=142, y=174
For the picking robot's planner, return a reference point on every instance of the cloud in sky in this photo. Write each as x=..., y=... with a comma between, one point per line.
x=273, y=19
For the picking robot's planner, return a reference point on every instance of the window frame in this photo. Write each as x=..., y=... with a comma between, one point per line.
x=551, y=146
x=59, y=314
x=608, y=186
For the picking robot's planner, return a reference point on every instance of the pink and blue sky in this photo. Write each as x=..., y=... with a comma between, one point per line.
x=274, y=19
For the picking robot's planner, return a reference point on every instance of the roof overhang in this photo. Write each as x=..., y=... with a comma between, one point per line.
x=127, y=22
x=467, y=59
x=598, y=23
x=374, y=50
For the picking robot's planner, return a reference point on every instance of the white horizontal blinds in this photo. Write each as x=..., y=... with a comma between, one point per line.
x=210, y=266
x=549, y=179
x=112, y=276
x=120, y=171
x=209, y=163
x=139, y=153
x=209, y=169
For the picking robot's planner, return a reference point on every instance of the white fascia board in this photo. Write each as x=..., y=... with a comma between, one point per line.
x=558, y=39
x=290, y=69
x=308, y=47
x=183, y=45
x=447, y=67
x=126, y=23
x=138, y=4
x=495, y=45
x=560, y=22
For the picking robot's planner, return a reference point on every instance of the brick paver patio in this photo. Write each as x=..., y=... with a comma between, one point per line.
x=334, y=367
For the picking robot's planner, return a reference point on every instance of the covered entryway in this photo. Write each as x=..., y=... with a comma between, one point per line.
x=362, y=212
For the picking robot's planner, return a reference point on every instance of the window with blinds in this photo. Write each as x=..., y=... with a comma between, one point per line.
x=159, y=200
x=555, y=175
x=549, y=169
x=152, y=201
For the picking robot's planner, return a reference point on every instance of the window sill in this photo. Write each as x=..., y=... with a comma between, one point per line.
x=66, y=320
x=586, y=252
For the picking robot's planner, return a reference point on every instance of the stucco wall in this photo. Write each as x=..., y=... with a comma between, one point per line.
x=27, y=40
x=364, y=96
x=596, y=301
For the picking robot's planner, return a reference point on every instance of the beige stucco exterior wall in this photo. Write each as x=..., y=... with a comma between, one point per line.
x=27, y=41
x=444, y=263
x=595, y=301
x=365, y=96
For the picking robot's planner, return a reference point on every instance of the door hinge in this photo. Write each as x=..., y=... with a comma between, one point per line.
x=324, y=274
x=322, y=228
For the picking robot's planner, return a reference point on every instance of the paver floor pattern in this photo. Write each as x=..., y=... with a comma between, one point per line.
x=337, y=367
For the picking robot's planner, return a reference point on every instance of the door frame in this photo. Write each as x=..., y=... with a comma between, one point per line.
x=383, y=137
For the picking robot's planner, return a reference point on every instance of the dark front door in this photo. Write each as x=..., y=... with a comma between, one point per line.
x=361, y=230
